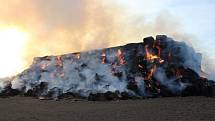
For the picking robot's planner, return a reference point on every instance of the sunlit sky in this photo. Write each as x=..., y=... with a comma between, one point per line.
x=31, y=28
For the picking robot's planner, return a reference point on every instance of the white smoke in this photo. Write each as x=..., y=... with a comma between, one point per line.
x=161, y=76
x=84, y=75
x=189, y=58
x=4, y=82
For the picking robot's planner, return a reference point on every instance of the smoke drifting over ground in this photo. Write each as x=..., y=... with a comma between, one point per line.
x=63, y=26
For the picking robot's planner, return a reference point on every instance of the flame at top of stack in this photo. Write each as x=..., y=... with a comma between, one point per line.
x=156, y=67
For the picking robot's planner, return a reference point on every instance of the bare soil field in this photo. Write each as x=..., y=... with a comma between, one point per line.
x=159, y=109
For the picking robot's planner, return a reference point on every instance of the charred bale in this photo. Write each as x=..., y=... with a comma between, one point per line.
x=38, y=90
x=200, y=87
x=107, y=96
x=161, y=41
x=148, y=41
x=70, y=95
x=8, y=91
x=132, y=85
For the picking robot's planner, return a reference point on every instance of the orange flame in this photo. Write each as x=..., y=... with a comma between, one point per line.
x=121, y=57
x=150, y=56
x=59, y=62
x=150, y=74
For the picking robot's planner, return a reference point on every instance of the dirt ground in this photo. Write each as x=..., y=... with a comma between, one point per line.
x=160, y=109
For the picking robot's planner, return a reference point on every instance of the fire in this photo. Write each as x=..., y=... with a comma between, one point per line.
x=121, y=57
x=59, y=62
x=150, y=56
x=150, y=73
x=11, y=50
x=103, y=57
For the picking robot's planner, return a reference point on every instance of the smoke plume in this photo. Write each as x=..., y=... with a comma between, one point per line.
x=160, y=67
x=64, y=26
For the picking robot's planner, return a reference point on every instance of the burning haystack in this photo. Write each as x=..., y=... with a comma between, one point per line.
x=158, y=67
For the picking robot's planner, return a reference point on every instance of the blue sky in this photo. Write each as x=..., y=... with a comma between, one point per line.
x=197, y=18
